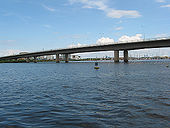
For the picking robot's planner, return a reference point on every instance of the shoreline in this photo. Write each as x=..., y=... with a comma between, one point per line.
x=81, y=60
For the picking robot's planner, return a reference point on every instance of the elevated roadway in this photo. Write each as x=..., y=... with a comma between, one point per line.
x=126, y=46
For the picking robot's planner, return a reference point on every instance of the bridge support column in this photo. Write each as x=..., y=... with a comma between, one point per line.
x=116, y=56
x=126, y=56
x=57, y=58
x=66, y=58
x=35, y=59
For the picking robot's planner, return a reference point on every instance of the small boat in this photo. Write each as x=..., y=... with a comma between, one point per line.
x=96, y=65
x=167, y=66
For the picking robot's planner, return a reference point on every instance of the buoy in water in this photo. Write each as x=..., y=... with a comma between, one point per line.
x=96, y=66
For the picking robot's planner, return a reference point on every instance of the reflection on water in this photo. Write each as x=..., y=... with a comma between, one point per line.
x=76, y=95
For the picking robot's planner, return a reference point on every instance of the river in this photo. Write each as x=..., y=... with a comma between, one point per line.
x=74, y=95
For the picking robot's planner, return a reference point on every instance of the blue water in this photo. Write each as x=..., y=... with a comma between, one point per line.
x=74, y=95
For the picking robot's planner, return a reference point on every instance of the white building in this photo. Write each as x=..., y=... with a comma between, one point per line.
x=75, y=57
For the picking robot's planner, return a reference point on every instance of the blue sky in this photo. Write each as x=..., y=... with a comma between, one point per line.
x=34, y=25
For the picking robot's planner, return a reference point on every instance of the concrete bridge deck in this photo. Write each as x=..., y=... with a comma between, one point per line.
x=95, y=48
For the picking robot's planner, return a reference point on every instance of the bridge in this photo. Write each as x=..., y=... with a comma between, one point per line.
x=126, y=46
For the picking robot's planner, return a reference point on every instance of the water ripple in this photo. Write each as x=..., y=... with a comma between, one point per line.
x=49, y=95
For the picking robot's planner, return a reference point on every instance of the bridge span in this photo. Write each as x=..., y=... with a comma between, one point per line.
x=159, y=43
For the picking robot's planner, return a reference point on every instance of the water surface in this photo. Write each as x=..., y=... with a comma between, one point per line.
x=49, y=95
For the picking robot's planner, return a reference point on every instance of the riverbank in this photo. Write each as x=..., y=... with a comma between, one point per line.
x=86, y=59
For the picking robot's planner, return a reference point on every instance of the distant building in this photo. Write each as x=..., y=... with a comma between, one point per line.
x=62, y=56
x=41, y=58
x=75, y=57
x=50, y=57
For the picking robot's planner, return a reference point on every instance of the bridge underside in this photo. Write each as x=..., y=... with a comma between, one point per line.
x=66, y=57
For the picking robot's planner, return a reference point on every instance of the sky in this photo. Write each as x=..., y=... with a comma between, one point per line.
x=36, y=25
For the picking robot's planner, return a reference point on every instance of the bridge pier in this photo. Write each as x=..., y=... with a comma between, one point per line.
x=66, y=58
x=35, y=59
x=116, y=56
x=57, y=58
x=126, y=56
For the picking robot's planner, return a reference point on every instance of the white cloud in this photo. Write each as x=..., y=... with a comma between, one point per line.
x=161, y=35
x=122, y=13
x=125, y=38
x=76, y=45
x=9, y=52
x=107, y=40
x=48, y=8
x=132, y=53
x=103, y=41
x=119, y=28
x=166, y=6
x=110, y=12
x=98, y=4
x=160, y=1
